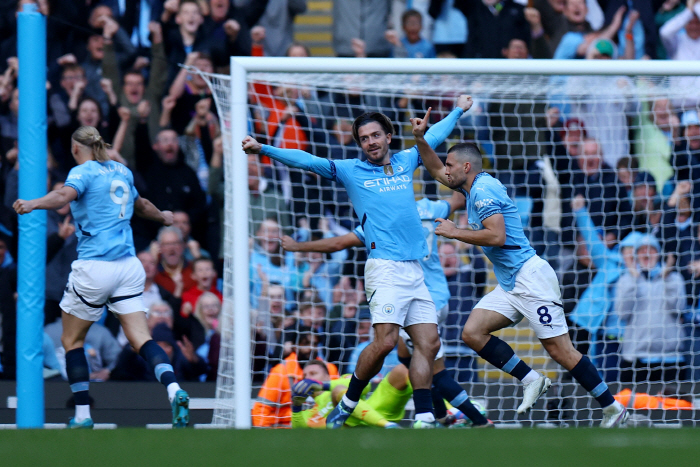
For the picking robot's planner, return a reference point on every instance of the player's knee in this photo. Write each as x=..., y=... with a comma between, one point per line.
x=398, y=377
x=69, y=343
x=387, y=344
x=469, y=335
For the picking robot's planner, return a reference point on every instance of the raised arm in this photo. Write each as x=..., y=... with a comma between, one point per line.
x=325, y=245
x=53, y=200
x=147, y=210
x=426, y=142
x=291, y=157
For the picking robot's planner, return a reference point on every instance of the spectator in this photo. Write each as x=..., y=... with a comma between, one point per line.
x=627, y=171
x=278, y=22
x=229, y=27
x=142, y=101
x=207, y=312
x=183, y=33
x=193, y=250
x=651, y=301
x=668, y=10
x=273, y=407
x=492, y=24
x=204, y=276
x=188, y=89
x=172, y=184
x=348, y=329
x=639, y=36
x=268, y=258
x=594, y=323
x=101, y=349
x=174, y=273
x=72, y=85
x=559, y=17
x=265, y=201
x=609, y=206
x=686, y=153
x=655, y=139
x=681, y=38
x=61, y=244
x=412, y=45
x=578, y=41
x=152, y=292
x=187, y=365
x=104, y=26
x=449, y=28
x=359, y=27
x=644, y=203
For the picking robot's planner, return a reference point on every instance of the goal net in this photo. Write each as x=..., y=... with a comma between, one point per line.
x=626, y=144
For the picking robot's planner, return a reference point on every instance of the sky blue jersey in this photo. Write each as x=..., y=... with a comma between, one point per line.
x=103, y=209
x=382, y=196
x=488, y=197
x=435, y=279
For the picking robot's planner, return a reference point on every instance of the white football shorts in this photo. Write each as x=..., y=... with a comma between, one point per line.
x=536, y=296
x=396, y=293
x=94, y=284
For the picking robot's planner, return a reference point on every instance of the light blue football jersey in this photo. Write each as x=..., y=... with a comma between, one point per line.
x=382, y=196
x=488, y=197
x=435, y=279
x=103, y=209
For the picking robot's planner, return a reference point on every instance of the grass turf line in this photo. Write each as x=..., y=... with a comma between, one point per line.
x=356, y=447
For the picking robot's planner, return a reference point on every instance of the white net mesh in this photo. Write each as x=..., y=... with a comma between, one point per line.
x=629, y=145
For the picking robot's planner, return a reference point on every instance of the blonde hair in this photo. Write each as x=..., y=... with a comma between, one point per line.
x=199, y=308
x=90, y=137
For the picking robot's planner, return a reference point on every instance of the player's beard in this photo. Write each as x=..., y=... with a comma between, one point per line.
x=455, y=184
x=378, y=160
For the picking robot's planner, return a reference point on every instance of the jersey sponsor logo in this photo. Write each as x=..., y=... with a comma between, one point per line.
x=484, y=202
x=396, y=180
x=388, y=309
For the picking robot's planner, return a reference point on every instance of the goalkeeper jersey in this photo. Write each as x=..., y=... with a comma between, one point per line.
x=315, y=417
x=382, y=196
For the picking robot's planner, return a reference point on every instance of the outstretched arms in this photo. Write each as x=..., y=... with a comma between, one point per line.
x=53, y=200
x=325, y=245
x=291, y=157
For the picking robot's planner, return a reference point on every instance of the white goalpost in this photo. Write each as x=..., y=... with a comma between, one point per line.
x=519, y=121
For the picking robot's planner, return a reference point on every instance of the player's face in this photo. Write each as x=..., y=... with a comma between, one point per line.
x=456, y=171
x=315, y=372
x=374, y=141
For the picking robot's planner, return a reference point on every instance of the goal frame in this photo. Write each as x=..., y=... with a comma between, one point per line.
x=241, y=66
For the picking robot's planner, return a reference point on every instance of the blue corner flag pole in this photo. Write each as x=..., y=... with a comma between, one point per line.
x=31, y=51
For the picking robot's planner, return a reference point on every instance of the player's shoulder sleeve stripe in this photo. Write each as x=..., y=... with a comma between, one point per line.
x=334, y=170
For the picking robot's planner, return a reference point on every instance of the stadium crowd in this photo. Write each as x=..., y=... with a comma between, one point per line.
x=628, y=188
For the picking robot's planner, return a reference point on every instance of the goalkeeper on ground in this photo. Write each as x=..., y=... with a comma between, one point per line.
x=383, y=408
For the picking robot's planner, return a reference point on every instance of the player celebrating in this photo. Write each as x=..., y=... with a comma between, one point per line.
x=437, y=286
x=381, y=191
x=527, y=285
x=383, y=408
x=107, y=272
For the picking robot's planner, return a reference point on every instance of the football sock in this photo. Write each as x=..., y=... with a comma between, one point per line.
x=79, y=380
x=423, y=402
x=500, y=355
x=159, y=361
x=586, y=374
x=458, y=397
x=354, y=392
x=438, y=402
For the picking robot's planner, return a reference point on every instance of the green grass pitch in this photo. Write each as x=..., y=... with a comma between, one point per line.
x=357, y=448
